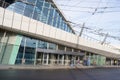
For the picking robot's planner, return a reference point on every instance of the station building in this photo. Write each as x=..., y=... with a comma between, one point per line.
x=35, y=32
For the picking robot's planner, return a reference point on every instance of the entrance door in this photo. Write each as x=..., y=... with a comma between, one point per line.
x=39, y=58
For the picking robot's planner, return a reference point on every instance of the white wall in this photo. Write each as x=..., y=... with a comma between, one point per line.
x=25, y=23
x=46, y=30
x=17, y=18
x=33, y=26
x=52, y=32
x=63, y=35
x=8, y=18
x=95, y=45
x=1, y=15
x=39, y=28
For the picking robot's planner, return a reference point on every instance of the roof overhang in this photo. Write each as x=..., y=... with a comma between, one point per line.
x=59, y=52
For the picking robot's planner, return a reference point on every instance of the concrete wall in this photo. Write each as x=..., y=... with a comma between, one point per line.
x=16, y=22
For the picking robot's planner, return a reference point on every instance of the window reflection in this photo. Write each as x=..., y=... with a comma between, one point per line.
x=50, y=19
x=36, y=14
x=28, y=10
x=44, y=15
x=28, y=47
x=52, y=46
x=31, y=1
x=42, y=44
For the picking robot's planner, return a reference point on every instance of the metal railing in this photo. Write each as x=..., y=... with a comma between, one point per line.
x=99, y=42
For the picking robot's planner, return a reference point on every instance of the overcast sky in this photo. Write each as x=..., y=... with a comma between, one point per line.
x=107, y=16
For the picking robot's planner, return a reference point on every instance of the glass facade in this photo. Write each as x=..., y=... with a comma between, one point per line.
x=28, y=48
x=41, y=10
x=19, y=49
x=14, y=48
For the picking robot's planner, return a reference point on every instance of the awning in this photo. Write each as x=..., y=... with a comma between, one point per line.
x=59, y=52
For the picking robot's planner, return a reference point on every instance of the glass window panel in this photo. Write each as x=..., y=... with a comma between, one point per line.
x=42, y=45
x=39, y=4
x=47, y=4
x=50, y=19
x=28, y=10
x=60, y=47
x=44, y=15
x=37, y=14
x=30, y=42
x=52, y=46
x=11, y=7
x=17, y=7
x=55, y=19
x=29, y=53
x=68, y=29
x=23, y=41
x=65, y=27
x=68, y=49
x=21, y=49
x=57, y=25
x=31, y=1
x=62, y=25
x=30, y=49
x=29, y=61
x=58, y=21
x=41, y=0
x=20, y=52
x=76, y=50
x=18, y=61
x=45, y=11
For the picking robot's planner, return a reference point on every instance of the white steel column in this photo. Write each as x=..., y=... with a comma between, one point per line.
x=47, y=60
x=66, y=60
x=52, y=60
x=58, y=58
x=62, y=59
x=36, y=53
x=111, y=62
x=43, y=58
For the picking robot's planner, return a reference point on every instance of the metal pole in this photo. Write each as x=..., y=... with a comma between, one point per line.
x=80, y=34
x=82, y=30
x=104, y=39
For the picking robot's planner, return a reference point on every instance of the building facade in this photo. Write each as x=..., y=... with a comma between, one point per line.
x=36, y=32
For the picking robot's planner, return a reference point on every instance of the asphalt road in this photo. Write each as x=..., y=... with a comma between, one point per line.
x=61, y=74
